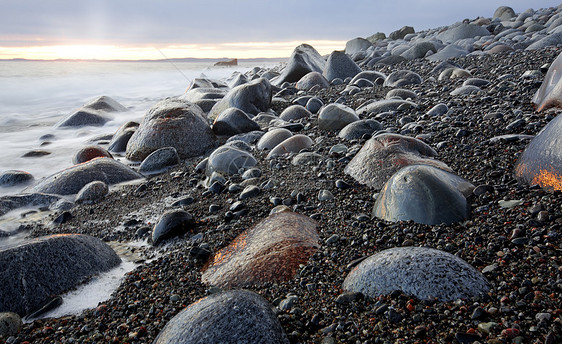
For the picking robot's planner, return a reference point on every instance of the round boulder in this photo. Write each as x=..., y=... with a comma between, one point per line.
x=273, y=137
x=293, y=144
x=252, y=98
x=92, y=192
x=233, y=121
x=160, y=160
x=14, y=178
x=356, y=130
x=172, y=223
x=336, y=116
x=294, y=112
x=341, y=66
x=549, y=94
x=402, y=78
x=89, y=153
x=229, y=160
x=422, y=272
x=311, y=80
x=235, y=316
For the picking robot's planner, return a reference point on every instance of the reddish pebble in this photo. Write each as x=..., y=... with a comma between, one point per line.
x=510, y=333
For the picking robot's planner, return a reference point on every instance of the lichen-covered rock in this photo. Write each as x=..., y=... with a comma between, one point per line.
x=418, y=271
x=424, y=194
x=35, y=270
x=235, y=316
x=252, y=98
x=172, y=123
x=269, y=252
x=10, y=324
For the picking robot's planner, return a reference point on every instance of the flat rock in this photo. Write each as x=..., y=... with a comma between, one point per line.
x=293, y=144
x=270, y=252
x=422, y=272
x=160, y=160
x=462, y=31
x=36, y=269
x=71, y=180
x=235, y=316
x=335, y=117
x=233, y=121
x=385, y=154
x=311, y=80
x=273, y=137
x=172, y=123
x=27, y=200
x=90, y=152
x=14, y=178
x=92, y=192
x=424, y=194
x=402, y=78
x=252, y=98
x=295, y=112
x=549, y=94
x=340, y=65
x=303, y=60
x=357, y=129
x=229, y=160
x=384, y=106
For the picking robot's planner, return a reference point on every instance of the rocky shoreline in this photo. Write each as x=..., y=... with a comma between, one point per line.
x=512, y=235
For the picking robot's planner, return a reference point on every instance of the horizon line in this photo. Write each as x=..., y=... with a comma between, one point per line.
x=216, y=59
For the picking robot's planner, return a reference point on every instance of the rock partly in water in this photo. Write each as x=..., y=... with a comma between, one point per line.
x=27, y=200
x=36, y=269
x=160, y=160
x=422, y=272
x=90, y=152
x=335, y=117
x=303, y=60
x=172, y=123
x=172, y=223
x=92, y=192
x=233, y=121
x=12, y=178
x=118, y=143
x=550, y=93
x=229, y=160
x=424, y=194
x=235, y=316
x=71, y=180
x=269, y=252
x=94, y=113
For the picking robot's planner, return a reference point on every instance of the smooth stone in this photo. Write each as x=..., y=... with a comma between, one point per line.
x=385, y=105
x=229, y=160
x=303, y=60
x=549, y=94
x=476, y=82
x=551, y=40
x=504, y=13
x=453, y=73
x=314, y=104
x=385, y=154
x=237, y=80
x=235, y=316
x=418, y=50
x=118, y=143
x=401, y=93
x=198, y=94
x=15, y=178
x=35, y=153
x=249, y=192
x=27, y=200
x=92, y=192
x=252, y=98
x=240, y=145
x=358, y=129
x=311, y=80
x=450, y=51
x=307, y=158
x=325, y=195
x=73, y=179
x=184, y=201
x=233, y=121
x=252, y=173
x=273, y=137
x=293, y=144
x=248, y=138
x=424, y=194
x=466, y=90
x=376, y=37
x=368, y=75
x=422, y=272
x=389, y=60
x=172, y=123
x=295, y=112
x=93, y=113
x=340, y=65
x=438, y=110
x=363, y=83
x=402, y=78
x=205, y=83
x=48, y=270
x=160, y=160
x=462, y=31
x=336, y=116
x=10, y=324
x=269, y=252
x=356, y=45
x=172, y=223
x=88, y=153
x=401, y=33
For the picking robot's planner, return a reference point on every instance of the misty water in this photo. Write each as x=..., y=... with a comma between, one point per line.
x=34, y=96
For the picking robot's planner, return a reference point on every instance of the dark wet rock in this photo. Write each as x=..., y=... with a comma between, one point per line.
x=550, y=93
x=303, y=60
x=294, y=112
x=385, y=154
x=233, y=121
x=237, y=80
x=402, y=78
x=336, y=116
x=293, y=144
x=311, y=80
x=401, y=93
x=90, y=152
x=118, y=143
x=172, y=123
x=94, y=113
x=10, y=324
x=356, y=45
x=424, y=194
x=13, y=202
x=38, y=268
x=205, y=98
x=159, y=160
x=271, y=251
x=272, y=138
x=356, y=130
x=36, y=153
x=229, y=160
x=462, y=31
x=105, y=103
x=401, y=33
x=92, y=192
x=340, y=65
x=422, y=272
x=541, y=162
x=249, y=192
x=15, y=178
x=172, y=223
x=71, y=180
x=418, y=50
x=385, y=105
x=252, y=98
x=236, y=316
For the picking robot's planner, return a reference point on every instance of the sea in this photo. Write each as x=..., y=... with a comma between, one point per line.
x=35, y=95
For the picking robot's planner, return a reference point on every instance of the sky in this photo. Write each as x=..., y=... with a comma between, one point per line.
x=150, y=29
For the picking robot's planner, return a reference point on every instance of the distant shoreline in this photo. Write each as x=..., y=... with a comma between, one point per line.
x=187, y=59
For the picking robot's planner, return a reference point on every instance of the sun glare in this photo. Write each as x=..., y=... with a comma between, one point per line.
x=112, y=52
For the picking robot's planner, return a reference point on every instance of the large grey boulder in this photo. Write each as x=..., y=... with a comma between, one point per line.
x=462, y=31
x=273, y=137
x=548, y=41
x=335, y=117
x=94, y=113
x=233, y=121
x=422, y=272
x=252, y=98
x=228, y=160
x=418, y=50
x=172, y=123
x=71, y=180
x=356, y=45
x=424, y=194
x=549, y=93
x=235, y=316
x=341, y=66
x=303, y=60
x=312, y=79
x=35, y=270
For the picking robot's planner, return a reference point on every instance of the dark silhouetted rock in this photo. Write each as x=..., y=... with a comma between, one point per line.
x=550, y=93
x=233, y=121
x=235, y=316
x=15, y=178
x=34, y=270
x=303, y=60
x=10, y=324
x=90, y=152
x=336, y=116
x=172, y=223
x=160, y=160
x=92, y=192
x=424, y=194
x=118, y=143
x=71, y=180
x=229, y=160
x=401, y=33
x=385, y=154
x=252, y=98
x=172, y=123
x=273, y=137
x=271, y=251
x=376, y=37
x=341, y=66
x=311, y=80
x=422, y=272
x=293, y=144
x=402, y=78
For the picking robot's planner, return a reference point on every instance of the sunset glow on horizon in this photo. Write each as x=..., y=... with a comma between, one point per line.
x=242, y=50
